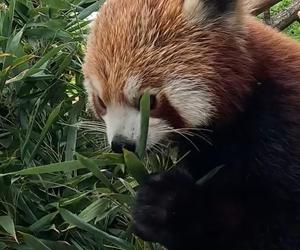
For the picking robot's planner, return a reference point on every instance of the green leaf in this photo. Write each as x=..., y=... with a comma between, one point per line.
x=43, y=222
x=73, y=199
x=72, y=130
x=51, y=119
x=15, y=42
x=59, y=245
x=116, y=158
x=89, y=10
x=145, y=112
x=65, y=63
x=3, y=246
x=57, y=167
x=33, y=242
x=8, y=20
x=58, y=4
x=3, y=38
x=45, y=58
x=20, y=61
x=7, y=223
x=93, y=167
x=29, y=130
x=36, y=68
x=95, y=209
x=12, y=47
x=78, y=222
x=135, y=167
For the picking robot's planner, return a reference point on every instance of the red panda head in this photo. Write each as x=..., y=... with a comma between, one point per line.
x=189, y=54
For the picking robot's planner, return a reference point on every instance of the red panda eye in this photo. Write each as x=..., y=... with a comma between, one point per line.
x=99, y=105
x=101, y=102
x=152, y=102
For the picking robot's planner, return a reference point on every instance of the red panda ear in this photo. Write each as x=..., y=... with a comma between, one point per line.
x=210, y=9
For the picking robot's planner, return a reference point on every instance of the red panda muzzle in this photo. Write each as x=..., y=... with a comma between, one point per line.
x=119, y=143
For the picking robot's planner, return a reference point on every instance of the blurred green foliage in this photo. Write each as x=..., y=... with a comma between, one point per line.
x=294, y=29
x=51, y=198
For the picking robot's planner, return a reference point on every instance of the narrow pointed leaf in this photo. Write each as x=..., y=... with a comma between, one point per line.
x=7, y=223
x=51, y=119
x=135, y=167
x=94, y=168
x=57, y=167
x=78, y=222
x=34, y=242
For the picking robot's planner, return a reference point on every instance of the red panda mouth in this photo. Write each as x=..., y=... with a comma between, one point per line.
x=119, y=143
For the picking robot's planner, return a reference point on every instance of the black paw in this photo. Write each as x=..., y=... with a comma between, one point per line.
x=166, y=208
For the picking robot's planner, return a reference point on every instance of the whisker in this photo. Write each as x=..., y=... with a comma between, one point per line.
x=154, y=147
x=90, y=124
x=199, y=136
x=197, y=129
x=187, y=132
x=182, y=157
x=188, y=139
x=172, y=130
x=162, y=145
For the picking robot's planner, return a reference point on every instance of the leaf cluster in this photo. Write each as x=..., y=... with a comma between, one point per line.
x=59, y=190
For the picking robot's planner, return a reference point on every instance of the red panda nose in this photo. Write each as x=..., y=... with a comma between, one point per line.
x=120, y=142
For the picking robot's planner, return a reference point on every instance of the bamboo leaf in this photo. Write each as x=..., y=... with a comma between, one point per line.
x=93, y=210
x=31, y=123
x=8, y=20
x=57, y=167
x=43, y=222
x=78, y=222
x=3, y=246
x=45, y=59
x=58, y=4
x=34, y=242
x=51, y=119
x=7, y=223
x=134, y=166
x=36, y=68
x=93, y=167
x=12, y=46
x=72, y=131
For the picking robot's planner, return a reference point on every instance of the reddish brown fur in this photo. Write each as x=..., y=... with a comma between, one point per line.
x=168, y=112
x=160, y=41
x=276, y=56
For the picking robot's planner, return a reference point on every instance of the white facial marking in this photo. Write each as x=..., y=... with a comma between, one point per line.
x=192, y=99
x=190, y=7
x=132, y=87
x=158, y=131
x=122, y=120
x=195, y=10
x=125, y=121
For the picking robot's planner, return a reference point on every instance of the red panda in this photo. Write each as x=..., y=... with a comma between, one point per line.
x=208, y=67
